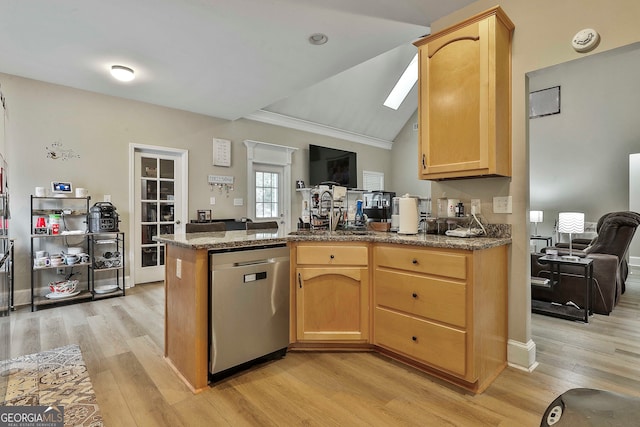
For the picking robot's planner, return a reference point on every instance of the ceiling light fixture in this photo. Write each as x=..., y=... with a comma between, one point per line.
x=318, y=39
x=122, y=73
x=404, y=85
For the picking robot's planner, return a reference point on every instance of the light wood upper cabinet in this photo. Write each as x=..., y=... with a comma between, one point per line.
x=465, y=99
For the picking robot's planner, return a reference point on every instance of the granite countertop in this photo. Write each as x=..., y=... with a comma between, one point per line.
x=421, y=239
x=231, y=239
x=224, y=239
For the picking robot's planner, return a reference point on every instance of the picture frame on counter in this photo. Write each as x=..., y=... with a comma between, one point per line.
x=204, y=215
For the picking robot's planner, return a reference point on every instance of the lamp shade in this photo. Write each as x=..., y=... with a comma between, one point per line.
x=536, y=216
x=571, y=222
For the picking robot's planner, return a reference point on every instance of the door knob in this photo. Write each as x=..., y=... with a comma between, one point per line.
x=177, y=221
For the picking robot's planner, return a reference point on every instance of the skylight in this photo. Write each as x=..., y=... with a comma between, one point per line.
x=404, y=85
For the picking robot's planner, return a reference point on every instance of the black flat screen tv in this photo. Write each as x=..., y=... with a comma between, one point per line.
x=332, y=165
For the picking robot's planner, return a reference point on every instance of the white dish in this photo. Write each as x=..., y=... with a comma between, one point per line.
x=59, y=295
x=105, y=289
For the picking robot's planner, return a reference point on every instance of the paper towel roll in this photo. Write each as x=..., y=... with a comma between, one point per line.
x=408, y=215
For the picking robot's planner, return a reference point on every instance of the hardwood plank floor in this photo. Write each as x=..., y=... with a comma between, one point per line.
x=122, y=343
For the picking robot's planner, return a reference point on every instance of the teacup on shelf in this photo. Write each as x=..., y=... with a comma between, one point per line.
x=71, y=259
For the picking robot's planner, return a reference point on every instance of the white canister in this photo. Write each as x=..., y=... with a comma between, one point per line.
x=41, y=192
x=82, y=192
x=408, y=215
x=451, y=207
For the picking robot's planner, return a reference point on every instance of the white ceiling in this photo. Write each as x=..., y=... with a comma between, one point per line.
x=229, y=58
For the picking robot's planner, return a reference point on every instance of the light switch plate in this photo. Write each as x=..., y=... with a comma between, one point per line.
x=238, y=202
x=212, y=200
x=502, y=204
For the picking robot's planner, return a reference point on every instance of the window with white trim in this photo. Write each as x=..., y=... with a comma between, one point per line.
x=267, y=194
x=372, y=181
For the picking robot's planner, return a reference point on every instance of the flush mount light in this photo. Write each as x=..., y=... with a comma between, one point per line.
x=318, y=39
x=122, y=73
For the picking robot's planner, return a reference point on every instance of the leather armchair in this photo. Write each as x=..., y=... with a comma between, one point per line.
x=615, y=232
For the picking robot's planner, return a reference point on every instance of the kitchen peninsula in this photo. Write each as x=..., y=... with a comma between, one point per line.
x=437, y=303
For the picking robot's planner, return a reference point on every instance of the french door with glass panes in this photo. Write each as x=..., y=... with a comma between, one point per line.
x=158, y=201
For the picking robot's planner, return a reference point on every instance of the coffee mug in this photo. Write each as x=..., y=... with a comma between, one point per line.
x=42, y=262
x=41, y=192
x=82, y=192
x=71, y=259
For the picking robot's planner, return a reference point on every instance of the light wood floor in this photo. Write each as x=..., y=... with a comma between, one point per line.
x=122, y=341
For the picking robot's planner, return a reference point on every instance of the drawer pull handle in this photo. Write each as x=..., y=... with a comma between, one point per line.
x=414, y=338
x=414, y=261
x=332, y=256
x=414, y=295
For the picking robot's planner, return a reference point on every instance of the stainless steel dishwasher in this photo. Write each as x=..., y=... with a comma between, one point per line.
x=249, y=307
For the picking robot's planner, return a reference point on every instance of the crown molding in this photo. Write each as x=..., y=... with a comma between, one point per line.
x=307, y=126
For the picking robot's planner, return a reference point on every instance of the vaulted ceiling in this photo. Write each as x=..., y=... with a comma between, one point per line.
x=230, y=58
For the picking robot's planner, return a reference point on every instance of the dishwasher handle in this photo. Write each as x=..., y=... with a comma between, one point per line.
x=254, y=262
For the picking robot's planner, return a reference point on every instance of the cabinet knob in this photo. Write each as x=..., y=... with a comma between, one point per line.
x=414, y=295
x=332, y=256
x=414, y=338
x=414, y=261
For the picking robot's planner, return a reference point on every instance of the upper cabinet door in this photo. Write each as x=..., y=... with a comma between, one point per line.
x=465, y=99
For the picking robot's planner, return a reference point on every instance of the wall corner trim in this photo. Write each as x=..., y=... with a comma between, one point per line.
x=521, y=355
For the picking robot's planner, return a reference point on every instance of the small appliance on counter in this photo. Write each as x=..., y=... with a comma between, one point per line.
x=409, y=217
x=378, y=205
x=103, y=218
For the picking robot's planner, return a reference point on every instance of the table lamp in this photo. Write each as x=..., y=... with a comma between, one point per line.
x=570, y=222
x=536, y=217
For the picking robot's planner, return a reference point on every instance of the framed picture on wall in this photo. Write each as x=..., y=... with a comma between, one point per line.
x=544, y=102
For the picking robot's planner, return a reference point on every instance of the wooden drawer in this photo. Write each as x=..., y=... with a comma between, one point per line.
x=439, y=299
x=426, y=261
x=439, y=346
x=332, y=255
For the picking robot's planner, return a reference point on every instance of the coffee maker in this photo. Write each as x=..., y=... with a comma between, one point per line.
x=377, y=205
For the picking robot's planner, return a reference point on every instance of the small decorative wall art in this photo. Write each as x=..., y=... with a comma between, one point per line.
x=56, y=152
x=544, y=102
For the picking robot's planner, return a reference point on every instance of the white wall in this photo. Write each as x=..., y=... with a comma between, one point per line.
x=578, y=157
x=100, y=128
x=634, y=205
x=404, y=163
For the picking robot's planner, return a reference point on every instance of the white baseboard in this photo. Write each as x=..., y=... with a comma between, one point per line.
x=634, y=262
x=522, y=355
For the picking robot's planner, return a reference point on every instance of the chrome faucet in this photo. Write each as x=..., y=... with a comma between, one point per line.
x=330, y=213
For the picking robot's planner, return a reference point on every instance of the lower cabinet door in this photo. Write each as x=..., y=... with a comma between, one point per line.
x=436, y=345
x=332, y=304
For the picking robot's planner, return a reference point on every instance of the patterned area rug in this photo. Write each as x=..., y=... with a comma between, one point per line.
x=55, y=377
